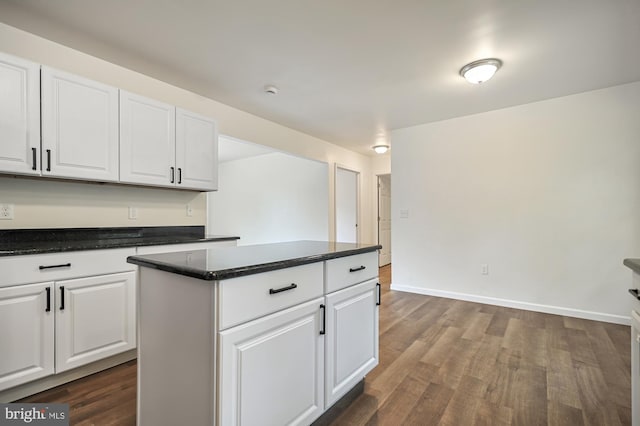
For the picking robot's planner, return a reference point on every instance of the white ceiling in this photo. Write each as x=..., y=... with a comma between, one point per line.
x=351, y=71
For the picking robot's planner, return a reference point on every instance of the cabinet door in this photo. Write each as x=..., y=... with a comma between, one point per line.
x=79, y=127
x=352, y=338
x=95, y=318
x=196, y=151
x=147, y=141
x=19, y=116
x=26, y=333
x=271, y=369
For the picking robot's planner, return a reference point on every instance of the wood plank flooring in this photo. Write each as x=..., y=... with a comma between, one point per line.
x=446, y=362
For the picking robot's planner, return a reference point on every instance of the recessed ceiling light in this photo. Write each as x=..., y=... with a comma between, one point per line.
x=480, y=71
x=270, y=89
x=381, y=148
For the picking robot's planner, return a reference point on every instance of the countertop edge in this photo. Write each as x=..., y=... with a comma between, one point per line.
x=225, y=274
x=107, y=246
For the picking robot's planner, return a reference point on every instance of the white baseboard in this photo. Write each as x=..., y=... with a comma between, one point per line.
x=548, y=309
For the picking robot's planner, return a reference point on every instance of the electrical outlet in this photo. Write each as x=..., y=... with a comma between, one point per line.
x=133, y=213
x=6, y=211
x=189, y=210
x=485, y=269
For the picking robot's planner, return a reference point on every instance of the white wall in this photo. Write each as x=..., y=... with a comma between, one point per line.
x=52, y=203
x=546, y=194
x=270, y=198
x=232, y=122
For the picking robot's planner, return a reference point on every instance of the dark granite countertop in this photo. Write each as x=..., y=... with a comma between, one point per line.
x=633, y=264
x=230, y=262
x=14, y=242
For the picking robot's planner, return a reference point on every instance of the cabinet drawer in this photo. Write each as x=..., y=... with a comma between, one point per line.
x=347, y=271
x=59, y=266
x=245, y=298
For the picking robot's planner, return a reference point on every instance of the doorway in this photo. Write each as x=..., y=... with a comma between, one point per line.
x=384, y=219
x=346, y=205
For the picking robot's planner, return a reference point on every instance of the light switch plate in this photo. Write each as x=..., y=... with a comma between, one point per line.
x=133, y=213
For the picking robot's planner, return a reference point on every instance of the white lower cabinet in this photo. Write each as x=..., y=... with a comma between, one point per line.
x=271, y=369
x=95, y=318
x=59, y=311
x=351, y=338
x=26, y=334
x=289, y=367
x=85, y=320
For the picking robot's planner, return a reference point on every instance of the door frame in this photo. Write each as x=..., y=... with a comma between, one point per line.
x=335, y=199
x=378, y=208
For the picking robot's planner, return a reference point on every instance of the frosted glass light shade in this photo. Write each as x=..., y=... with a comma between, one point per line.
x=480, y=71
x=381, y=149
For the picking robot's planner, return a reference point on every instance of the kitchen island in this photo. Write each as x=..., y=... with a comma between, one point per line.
x=269, y=334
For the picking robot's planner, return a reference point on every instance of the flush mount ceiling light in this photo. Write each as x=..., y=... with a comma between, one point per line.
x=381, y=148
x=480, y=71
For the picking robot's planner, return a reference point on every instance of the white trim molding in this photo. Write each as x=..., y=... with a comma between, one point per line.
x=548, y=309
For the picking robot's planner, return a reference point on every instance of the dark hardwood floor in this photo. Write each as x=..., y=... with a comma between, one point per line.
x=446, y=362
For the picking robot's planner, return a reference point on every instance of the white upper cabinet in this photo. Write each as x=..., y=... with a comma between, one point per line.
x=79, y=127
x=196, y=151
x=19, y=116
x=147, y=141
x=53, y=123
x=166, y=146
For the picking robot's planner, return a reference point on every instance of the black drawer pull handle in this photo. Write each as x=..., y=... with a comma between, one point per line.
x=634, y=292
x=48, y=160
x=34, y=152
x=279, y=290
x=62, y=298
x=48, y=290
x=64, y=265
x=324, y=319
x=357, y=269
x=379, y=295
x=179, y=175
x=173, y=174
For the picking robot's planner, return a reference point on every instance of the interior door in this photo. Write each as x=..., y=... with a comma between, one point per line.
x=384, y=219
x=346, y=205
